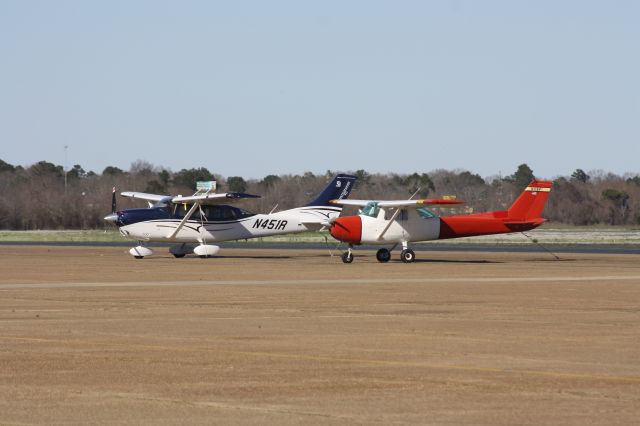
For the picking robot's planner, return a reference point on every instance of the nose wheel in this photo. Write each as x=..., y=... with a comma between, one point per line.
x=347, y=256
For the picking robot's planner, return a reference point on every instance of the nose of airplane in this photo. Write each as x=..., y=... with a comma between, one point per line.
x=113, y=217
x=347, y=229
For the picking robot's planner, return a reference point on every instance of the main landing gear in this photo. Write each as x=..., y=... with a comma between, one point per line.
x=407, y=256
x=384, y=255
x=140, y=251
x=203, y=251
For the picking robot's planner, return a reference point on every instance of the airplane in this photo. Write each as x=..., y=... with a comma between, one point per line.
x=207, y=217
x=405, y=221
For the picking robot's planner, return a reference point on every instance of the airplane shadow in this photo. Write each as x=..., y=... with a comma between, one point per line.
x=213, y=258
x=452, y=261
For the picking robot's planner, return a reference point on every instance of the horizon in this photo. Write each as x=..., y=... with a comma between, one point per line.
x=491, y=177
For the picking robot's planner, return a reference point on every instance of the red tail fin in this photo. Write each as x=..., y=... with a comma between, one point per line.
x=530, y=203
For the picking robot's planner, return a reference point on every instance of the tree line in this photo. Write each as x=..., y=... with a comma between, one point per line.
x=45, y=196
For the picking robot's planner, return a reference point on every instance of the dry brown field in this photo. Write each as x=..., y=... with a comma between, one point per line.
x=90, y=335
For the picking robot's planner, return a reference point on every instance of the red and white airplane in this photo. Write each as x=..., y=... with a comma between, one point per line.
x=406, y=221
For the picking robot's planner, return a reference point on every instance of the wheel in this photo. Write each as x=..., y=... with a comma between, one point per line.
x=383, y=255
x=407, y=256
x=204, y=256
x=139, y=257
x=347, y=257
x=178, y=255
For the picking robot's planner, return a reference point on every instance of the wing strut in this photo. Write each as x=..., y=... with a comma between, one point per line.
x=184, y=220
x=391, y=220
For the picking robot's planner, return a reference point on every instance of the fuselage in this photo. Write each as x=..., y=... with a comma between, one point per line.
x=224, y=223
x=414, y=225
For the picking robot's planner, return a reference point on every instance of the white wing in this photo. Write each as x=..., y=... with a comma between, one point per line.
x=396, y=203
x=144, y=196
x=218, y=198
x=151, y=199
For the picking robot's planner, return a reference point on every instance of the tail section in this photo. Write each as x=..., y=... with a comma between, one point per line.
x=340, y=187
x=529, y=205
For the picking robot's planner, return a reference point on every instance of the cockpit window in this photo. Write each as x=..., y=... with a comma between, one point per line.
x=211, y=213
x=425, y=213
x=371, y=209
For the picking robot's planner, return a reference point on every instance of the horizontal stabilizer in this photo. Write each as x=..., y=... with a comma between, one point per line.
x=522, y=225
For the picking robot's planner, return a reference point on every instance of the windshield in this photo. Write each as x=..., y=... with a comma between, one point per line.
x=371, y=209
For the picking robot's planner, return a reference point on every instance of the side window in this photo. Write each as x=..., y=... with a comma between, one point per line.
x=228, y=213
x=180, y=210
x=424, y=213
x=404, y=215
x=240, y=213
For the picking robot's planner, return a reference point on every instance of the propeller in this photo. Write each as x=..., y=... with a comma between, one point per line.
x=113, y=216
x=113, y=200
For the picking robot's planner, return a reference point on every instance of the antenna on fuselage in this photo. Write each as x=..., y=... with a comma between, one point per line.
x=415, y=193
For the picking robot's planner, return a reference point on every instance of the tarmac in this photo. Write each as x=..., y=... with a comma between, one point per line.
x=90, y=335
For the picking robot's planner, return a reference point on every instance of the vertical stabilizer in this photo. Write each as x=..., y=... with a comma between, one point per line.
x=530, y=203
x=340, y=187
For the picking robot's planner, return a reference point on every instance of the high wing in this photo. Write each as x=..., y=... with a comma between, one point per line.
x=151, y=199
x=397, y=203
x=217, y=198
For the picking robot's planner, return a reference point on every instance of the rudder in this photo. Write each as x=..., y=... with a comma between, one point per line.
x=340, y=187
x=530, y=204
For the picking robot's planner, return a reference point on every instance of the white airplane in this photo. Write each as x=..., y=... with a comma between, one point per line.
x=405, y=221
x=205, y=218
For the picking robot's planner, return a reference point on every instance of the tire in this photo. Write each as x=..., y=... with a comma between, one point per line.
x=347, y=257
x=179, y=255
x=139, y=257
x=407, y=256
x=383, y=255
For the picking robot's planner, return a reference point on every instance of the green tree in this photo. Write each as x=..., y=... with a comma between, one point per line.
x=76, y=172
x=111, y=170
x=43, y=168
x=6, y=167
x=155, y=187
x=619, y=201
x=189, y=177
x=270, y=180
x=634, y=180
x=469, y=179
x=165, y=178
x=416, y=181
x=580, y=176
x=364, y=178
x=521, y=177
x=236, y=184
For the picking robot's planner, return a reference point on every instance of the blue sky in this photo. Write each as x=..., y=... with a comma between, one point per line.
x=253, y=88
